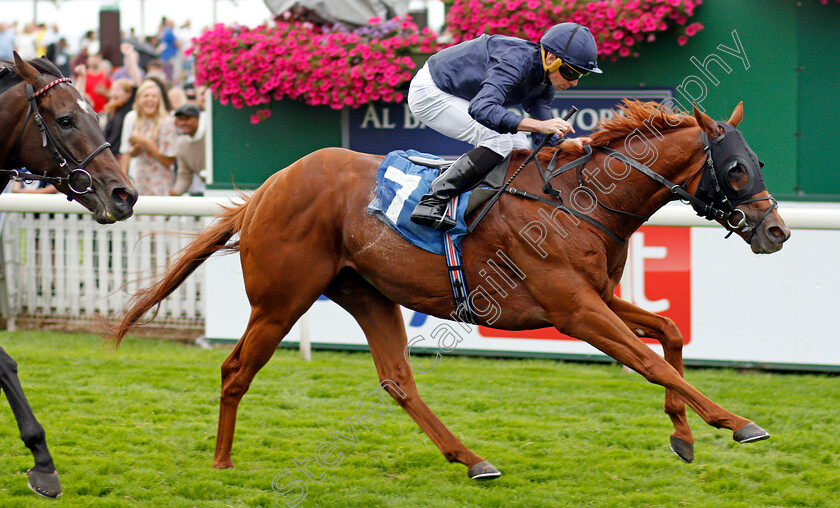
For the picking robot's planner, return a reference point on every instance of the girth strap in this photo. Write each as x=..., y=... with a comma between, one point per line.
x=457, y=277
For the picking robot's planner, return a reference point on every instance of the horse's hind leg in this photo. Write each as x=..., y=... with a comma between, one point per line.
x=270, y=321
x=648, y=324
x=43, y=478
x=382, y=323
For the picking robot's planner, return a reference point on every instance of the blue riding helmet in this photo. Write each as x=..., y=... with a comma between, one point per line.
x=574, y=44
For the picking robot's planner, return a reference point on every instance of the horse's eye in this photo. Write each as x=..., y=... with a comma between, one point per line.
x=738, y=177
x=65, y=122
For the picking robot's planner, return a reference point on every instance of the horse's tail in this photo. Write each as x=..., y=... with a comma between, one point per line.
x=211, y=240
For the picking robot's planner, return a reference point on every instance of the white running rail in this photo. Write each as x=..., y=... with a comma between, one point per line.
x=59, y=265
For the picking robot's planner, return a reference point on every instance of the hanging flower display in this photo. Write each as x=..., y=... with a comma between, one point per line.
x=335, y=67
x=619, y=26
x=297, y=60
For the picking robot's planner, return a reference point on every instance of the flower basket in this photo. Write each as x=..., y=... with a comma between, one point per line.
x=619, y=26
x=293, y=59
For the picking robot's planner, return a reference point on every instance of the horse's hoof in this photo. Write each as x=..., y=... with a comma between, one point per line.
x=483, y=471
x=683, y=450
x=44, y=484
x=749, y=433
x=223, y=464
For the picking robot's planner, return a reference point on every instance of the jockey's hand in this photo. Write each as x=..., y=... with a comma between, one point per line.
x=556, y=126
x=551, y=126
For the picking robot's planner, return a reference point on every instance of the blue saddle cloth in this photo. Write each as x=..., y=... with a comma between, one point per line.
x=399, y=186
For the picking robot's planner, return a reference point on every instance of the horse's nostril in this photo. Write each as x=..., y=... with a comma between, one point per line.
x=124, y=196
x=776, y=233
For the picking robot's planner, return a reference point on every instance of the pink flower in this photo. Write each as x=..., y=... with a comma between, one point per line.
x=290, y=59
x=693, y=29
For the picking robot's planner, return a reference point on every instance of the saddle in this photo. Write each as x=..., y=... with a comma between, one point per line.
x=482, y=191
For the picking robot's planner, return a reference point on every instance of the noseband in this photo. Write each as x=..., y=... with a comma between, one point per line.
x=59, y=151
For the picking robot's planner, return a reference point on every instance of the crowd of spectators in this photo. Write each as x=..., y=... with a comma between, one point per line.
x=150, y=110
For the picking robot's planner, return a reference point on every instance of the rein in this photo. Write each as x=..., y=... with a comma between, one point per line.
x=74, y=178
x=707, y=210
x=504, y=187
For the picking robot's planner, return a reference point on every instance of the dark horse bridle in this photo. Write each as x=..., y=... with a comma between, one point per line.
x=712, y=200
x=75, y=178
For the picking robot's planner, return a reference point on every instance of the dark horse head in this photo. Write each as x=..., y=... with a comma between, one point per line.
x=50, y=130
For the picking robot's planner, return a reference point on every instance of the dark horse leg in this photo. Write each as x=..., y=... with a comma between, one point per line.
x=383, y=325
x=43, y=478
x=648, y=324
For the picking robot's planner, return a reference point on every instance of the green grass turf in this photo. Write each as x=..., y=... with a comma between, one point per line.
x=137, y=427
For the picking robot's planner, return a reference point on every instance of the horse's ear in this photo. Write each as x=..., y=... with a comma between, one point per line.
x=737, y=115
x=26, y=71
x=709, y=126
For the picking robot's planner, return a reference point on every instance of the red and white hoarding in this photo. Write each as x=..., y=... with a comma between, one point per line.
x=732, y=306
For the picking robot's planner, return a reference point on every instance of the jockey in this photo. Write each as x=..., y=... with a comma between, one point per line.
x=463, y=92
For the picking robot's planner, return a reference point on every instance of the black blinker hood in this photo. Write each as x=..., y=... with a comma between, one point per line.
x=726, y=152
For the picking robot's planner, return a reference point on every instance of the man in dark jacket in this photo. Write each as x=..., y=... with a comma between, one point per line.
x=464, y=92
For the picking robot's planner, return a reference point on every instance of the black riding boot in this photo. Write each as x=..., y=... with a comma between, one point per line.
x=465, y=172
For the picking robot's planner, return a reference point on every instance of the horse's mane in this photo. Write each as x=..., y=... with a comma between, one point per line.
x=42, y=65
x=9, y=77
x=630, y=116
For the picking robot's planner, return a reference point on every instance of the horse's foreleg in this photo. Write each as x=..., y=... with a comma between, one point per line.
x=43, y=478
x=648, y=324
x=383, y=325
x=596, y=324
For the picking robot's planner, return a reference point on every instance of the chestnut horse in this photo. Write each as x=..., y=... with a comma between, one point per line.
x=49, y=129
x=306, y=232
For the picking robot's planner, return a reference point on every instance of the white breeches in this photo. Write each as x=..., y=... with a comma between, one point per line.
x=450, y=116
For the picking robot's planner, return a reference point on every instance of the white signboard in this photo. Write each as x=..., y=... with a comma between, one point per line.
x=731, y=305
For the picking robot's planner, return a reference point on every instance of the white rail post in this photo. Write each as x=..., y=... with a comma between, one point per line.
x=305, y=344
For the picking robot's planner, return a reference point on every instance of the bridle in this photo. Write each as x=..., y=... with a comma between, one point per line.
x=74, y=178
x=726, y=198
x=711, y=200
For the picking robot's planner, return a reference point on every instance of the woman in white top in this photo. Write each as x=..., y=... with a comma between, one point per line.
x=148, y=139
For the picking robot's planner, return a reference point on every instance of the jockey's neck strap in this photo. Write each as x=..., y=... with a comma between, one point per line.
x=709, y=211
x=571, y=211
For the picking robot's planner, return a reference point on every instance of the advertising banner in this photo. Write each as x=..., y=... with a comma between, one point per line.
x=733, y=307
x=381, y=127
